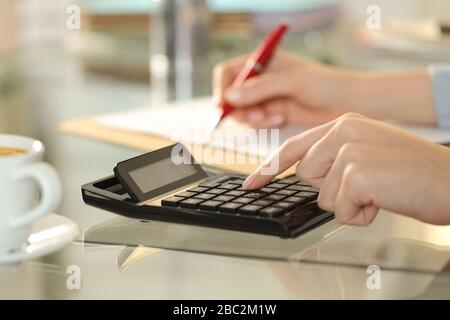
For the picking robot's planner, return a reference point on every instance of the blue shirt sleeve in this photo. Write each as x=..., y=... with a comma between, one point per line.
x=440, y=77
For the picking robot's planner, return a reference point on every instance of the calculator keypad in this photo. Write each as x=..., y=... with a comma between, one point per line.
x=225, y=194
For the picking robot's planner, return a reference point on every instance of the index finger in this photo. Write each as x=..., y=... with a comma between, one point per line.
x=287, y=155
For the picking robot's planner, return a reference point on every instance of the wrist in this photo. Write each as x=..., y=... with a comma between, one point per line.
x=405, y=96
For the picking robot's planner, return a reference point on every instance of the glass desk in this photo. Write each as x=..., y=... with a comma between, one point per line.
x=122, y=258
x=391, y=243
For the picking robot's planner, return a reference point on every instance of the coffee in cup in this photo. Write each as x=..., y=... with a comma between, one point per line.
x=29, y=188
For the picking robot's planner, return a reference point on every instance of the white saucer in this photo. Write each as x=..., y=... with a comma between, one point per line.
x=47, y=235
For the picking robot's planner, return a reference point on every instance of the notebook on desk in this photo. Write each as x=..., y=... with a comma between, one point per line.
x=188, y=122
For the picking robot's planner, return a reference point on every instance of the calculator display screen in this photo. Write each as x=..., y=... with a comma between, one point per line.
x=160, y=173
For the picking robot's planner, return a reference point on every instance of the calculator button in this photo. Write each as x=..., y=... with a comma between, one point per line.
x=209, y=184
x=286, y=192
x=216, y=191
x=243, y=200
x=228, y=186
x=230, y=207
x=262, y=202
x=310, y=189
x=221, y=179
x=307, y=194
x=235, y=193
x=301, y=188
x=296, y=200
x=237, y=181
x=302, y=183
x=249, y=209
x=284, y=205
x=185, y=194
x=204, y=196
x=171, y=202
x=268, y=190
x=272, y=211
x=198, y=189
x=190, y=203
x=255, y=194
x=223, y=198
x=210, y=205
x=276, y=185
x=296, y=187
x=274, y=197
x=287, y=181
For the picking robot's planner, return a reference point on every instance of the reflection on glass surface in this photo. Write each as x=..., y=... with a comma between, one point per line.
x=402, y=246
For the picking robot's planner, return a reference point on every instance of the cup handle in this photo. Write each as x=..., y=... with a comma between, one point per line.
x=51, y=191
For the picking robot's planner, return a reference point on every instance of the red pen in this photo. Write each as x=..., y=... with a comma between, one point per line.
x=256, y=64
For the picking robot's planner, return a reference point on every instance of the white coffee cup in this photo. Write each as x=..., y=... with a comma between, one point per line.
x=29, y=188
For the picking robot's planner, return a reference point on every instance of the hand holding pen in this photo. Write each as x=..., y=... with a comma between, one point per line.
x=255, y=65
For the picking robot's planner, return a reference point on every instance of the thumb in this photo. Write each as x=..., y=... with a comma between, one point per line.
x=260, y=89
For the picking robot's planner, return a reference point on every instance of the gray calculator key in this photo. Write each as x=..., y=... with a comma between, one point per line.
x=274, y=197
x=185, y=194
x=285, y=205
x=307, y=194
x=243, y=200
x=198, y=189
x=223, y=198
x=249, y=209
x=272, y=211
x=302, y=188
x=262, y=202
x=230, y=207
x=268, y=190
x=205, y=196
x=276, y=185
x=235, y=193
x=190, y=203
x=221, y=179
x=210, y=205
x=286, y=192
x=171, y=202
x=310, y=189
x=228, y=186
x=216, y=191
x=296, y=200
x=237, y=181
x=287, y=181
x=255, y=194
x=209, y=184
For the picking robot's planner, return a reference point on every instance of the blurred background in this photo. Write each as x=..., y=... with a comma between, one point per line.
x=62, y=59
x=67, y=59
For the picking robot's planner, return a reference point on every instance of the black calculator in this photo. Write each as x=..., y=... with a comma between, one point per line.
x=155, y=187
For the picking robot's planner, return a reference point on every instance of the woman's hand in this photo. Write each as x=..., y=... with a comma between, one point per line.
x=290, y=91
x=361, y=165
x=293, y=90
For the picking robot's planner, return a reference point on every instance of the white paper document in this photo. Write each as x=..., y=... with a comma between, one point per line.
x=188, y=122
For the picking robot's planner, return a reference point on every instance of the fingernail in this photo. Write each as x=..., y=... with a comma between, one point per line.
x=255, y=116
x=248, y=182
x=275, y=120
x=233, y=95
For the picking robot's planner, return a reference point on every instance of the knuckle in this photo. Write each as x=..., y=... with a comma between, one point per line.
x=324, y=203
x=347, y=127
x=289, y=142
x=300, y=171
x=355, y=177
x=349, y=152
